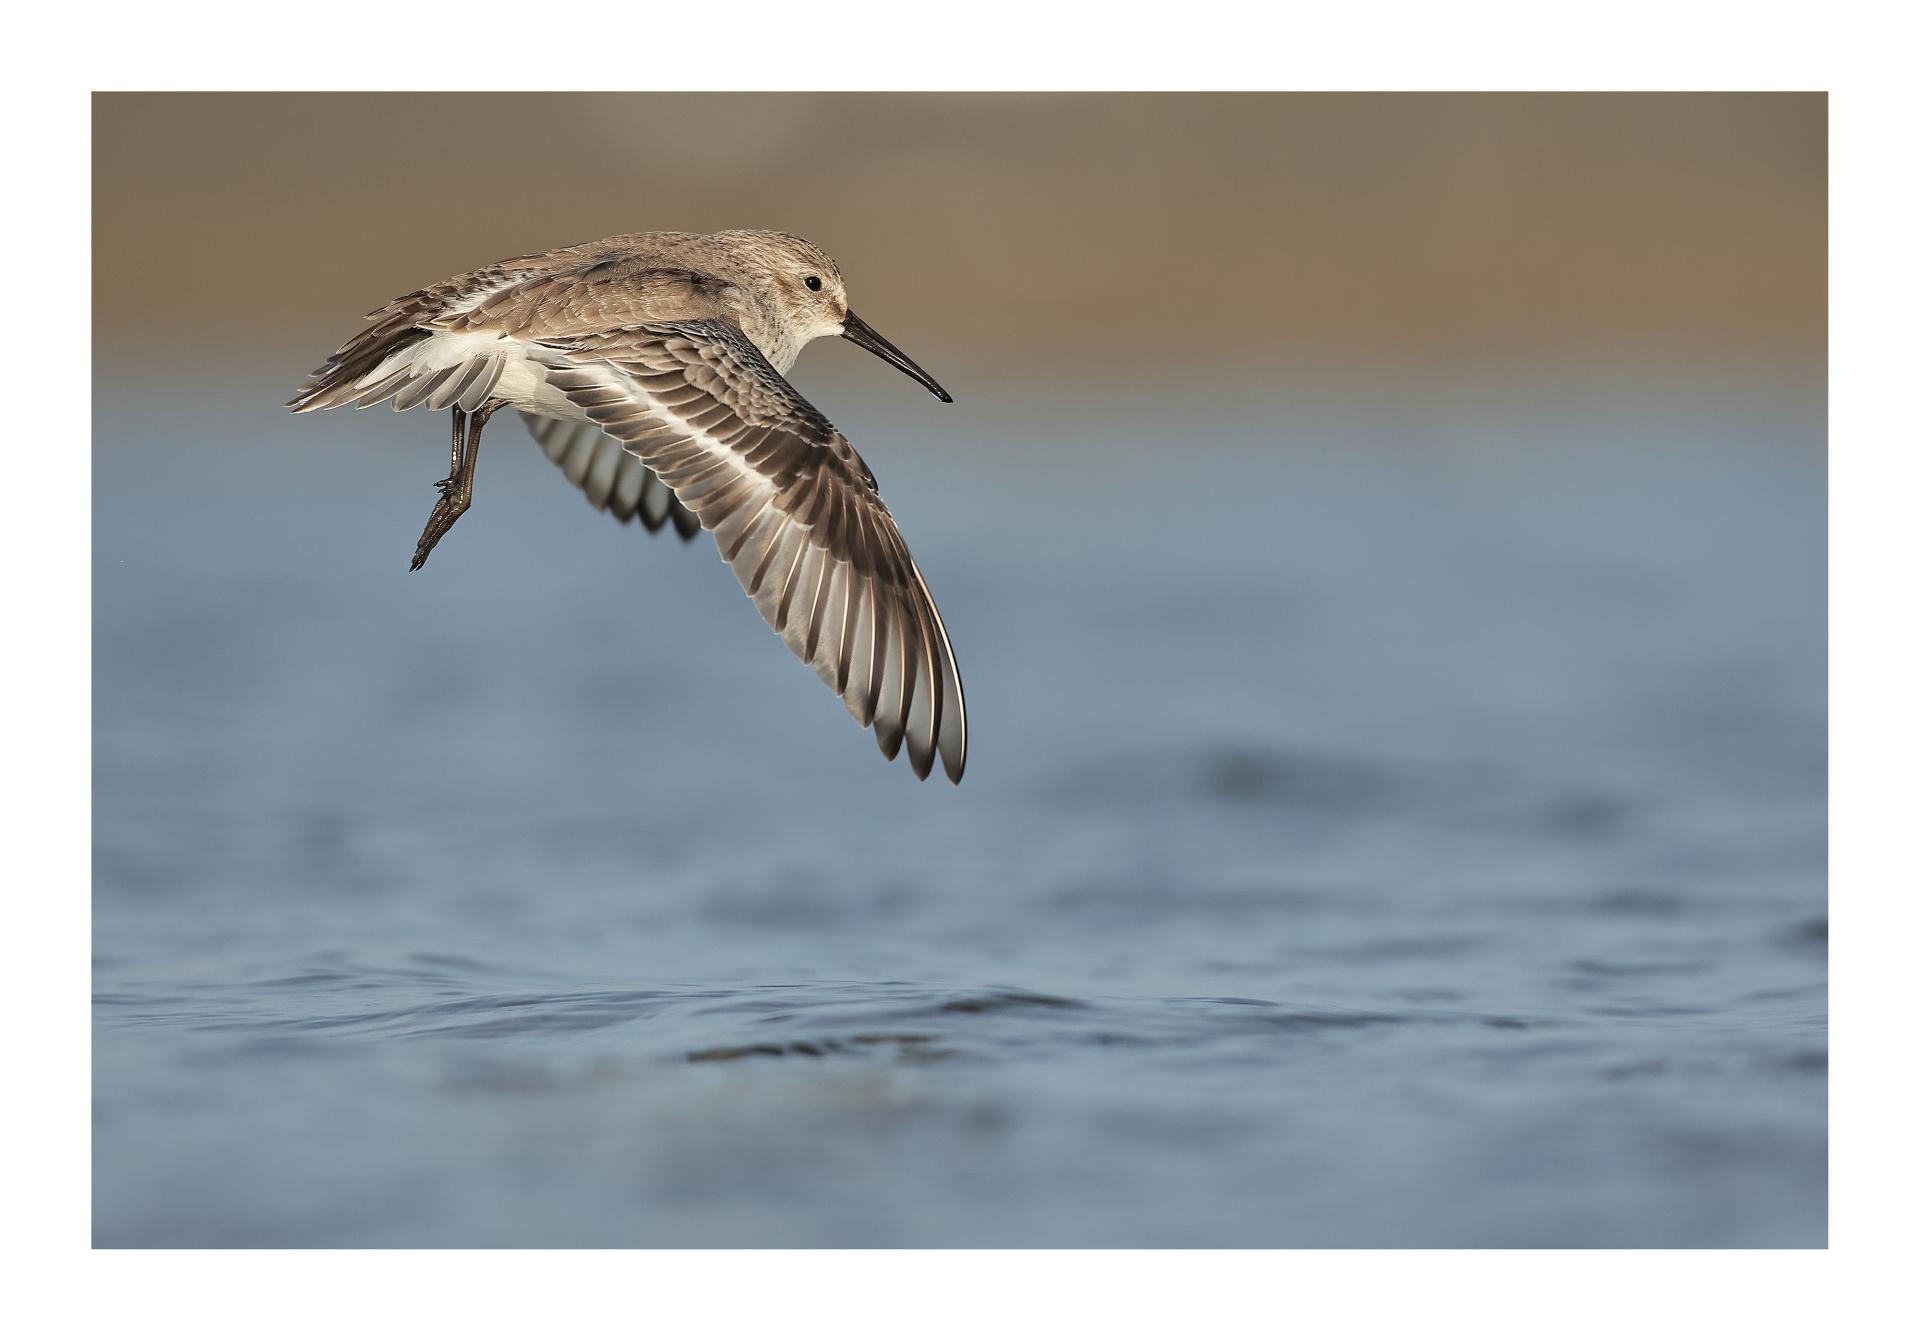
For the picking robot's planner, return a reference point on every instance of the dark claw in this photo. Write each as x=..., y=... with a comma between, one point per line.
x=446, y=512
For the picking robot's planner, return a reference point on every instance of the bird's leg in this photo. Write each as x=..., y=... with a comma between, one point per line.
x=444, y=513
x=456, y=491
x=459, y=438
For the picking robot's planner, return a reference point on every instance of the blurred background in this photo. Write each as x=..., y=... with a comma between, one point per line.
x=1384, y=539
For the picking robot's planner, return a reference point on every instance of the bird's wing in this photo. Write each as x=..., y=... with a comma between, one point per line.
x=610, y=476
x=793, y=509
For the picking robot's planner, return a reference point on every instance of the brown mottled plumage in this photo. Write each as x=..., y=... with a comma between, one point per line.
x=649, y=367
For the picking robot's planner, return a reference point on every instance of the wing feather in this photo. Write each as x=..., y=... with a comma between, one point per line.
x=611, y=477
x=792, y=507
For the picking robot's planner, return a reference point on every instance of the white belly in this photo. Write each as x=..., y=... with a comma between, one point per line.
x=523, y=385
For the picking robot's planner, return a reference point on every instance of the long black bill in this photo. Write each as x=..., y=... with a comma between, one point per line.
x=867, y=337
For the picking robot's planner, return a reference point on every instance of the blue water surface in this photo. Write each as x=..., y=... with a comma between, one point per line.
x=1367, y=842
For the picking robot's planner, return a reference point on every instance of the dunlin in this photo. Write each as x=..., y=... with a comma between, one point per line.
x=649, y=367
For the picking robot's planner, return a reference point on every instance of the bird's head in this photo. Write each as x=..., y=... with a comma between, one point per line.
x=804, y=291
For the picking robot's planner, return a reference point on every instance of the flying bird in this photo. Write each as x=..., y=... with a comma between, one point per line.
x=650, y=368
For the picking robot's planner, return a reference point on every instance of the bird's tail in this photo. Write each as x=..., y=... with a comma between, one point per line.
x=404, y=364
x=339, y=380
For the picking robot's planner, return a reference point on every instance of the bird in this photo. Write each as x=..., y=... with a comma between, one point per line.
x=651, y=368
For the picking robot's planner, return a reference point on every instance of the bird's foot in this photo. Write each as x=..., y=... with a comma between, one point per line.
x=454, y=501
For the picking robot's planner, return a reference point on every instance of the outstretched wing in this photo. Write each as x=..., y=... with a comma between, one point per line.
x=793, y=509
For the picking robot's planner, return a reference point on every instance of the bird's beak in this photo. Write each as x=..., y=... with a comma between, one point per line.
x=867, y=337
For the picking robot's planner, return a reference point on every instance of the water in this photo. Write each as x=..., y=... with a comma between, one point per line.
x=1361, y=847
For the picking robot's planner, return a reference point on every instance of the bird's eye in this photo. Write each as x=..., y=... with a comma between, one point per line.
x=813, y=282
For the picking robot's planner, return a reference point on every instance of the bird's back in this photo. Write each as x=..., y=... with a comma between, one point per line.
x=627, y=280
x=621, y=280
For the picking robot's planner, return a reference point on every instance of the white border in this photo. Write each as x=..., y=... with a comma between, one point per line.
x=1848, y=48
